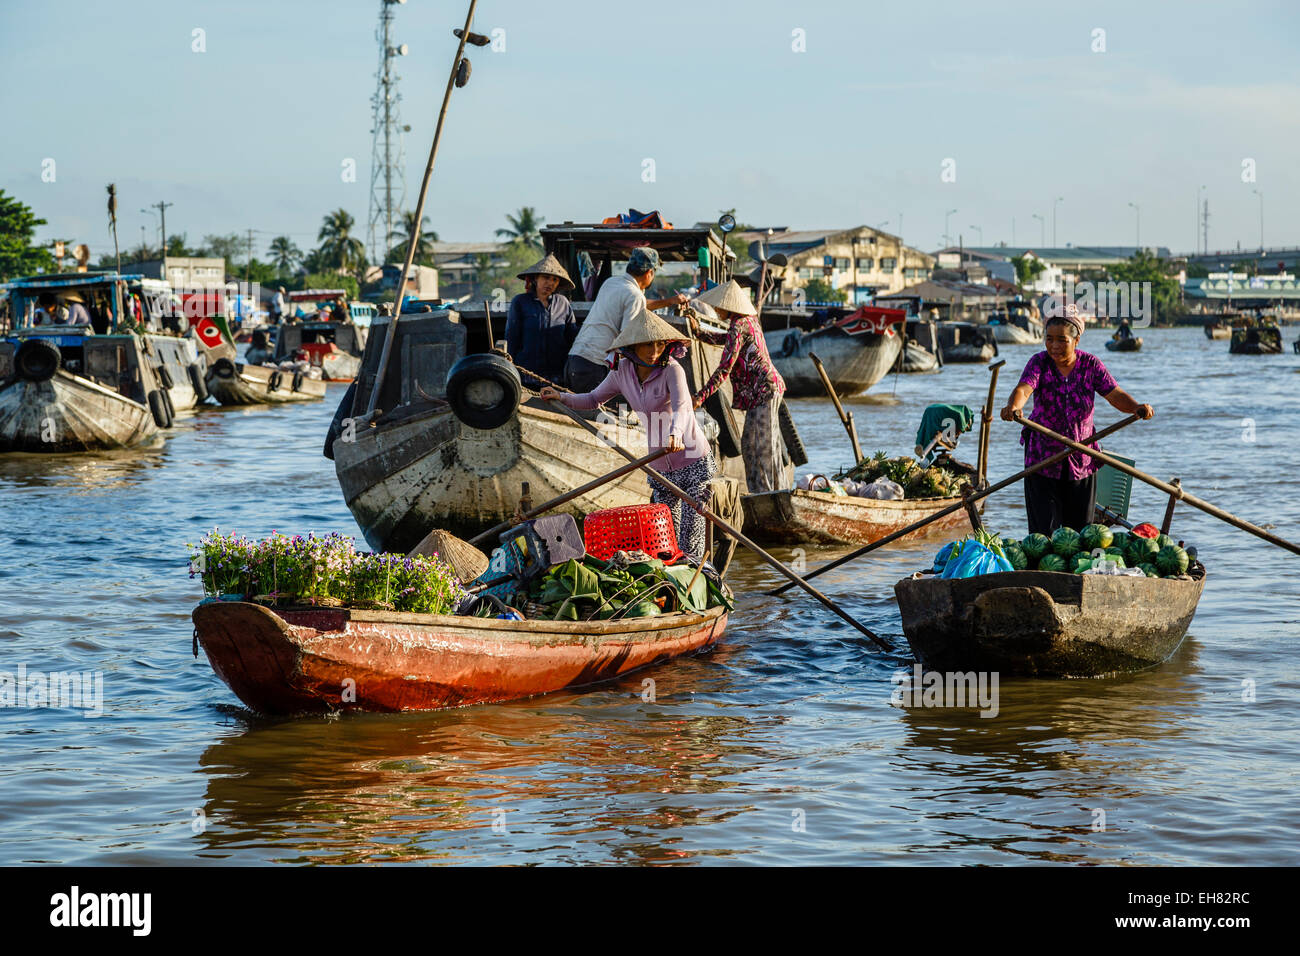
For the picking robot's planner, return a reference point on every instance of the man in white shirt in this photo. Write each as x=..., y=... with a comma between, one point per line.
x=619, y=299
x=277, y=306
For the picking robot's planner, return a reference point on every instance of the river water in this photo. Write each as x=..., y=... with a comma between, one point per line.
x=781, y=746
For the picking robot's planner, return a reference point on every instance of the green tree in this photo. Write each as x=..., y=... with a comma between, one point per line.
x=1028, y=268
x=229, y=247
x=176, y=246
x=284, y=255
x=329, y=280
x=1197, y=271
x=1144, y=267
x=819, y=290
x=525, y=226
x=18, y=257
x=339, y=249
x=401, y=238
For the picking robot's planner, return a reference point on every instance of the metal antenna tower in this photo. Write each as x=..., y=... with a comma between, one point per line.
x=387, y=158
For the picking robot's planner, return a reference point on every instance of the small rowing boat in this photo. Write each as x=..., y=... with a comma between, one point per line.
x=1045, y=623
x=325, y=660
x=238, y=383
x=1124, y=345
x=795, y=516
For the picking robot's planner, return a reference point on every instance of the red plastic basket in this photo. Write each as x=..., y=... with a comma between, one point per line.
x=647, y=528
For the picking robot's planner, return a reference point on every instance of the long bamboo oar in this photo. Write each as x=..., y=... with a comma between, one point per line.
x=958, y=506
x=846, y=418
x=569, y=496
x=1173, y=491
x=709, y=516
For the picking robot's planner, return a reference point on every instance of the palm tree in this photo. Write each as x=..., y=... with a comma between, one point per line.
x=339, y=248
x=284, y=254
x=401, y=238
x=525, y=227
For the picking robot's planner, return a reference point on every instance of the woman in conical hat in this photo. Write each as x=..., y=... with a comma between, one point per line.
x=540, y=326
x=756, y=386
x=648, y=377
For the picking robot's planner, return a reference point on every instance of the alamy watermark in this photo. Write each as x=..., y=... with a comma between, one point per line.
x=922, y=688
x=1114, y=300
x=77, y=690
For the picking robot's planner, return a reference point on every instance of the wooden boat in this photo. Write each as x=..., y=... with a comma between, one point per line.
x=334, y=346
x=857, y=351
x=1132, y=344
x=1255, y=339
x=921, y=346
x=1217, y=330
x=966, y=342
x=238, y=383
x=305, y=660
x=73, y=388
x=1047, y=624
x=818, y=517
x=1016, y=328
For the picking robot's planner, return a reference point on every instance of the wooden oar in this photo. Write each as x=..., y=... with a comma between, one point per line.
x=709, y=516
x=569, y=496
x=957, y=506
x=846, y=418
x=1174, y=491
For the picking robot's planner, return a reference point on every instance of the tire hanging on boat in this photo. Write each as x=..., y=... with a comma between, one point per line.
x=296, y=386
x=273, y=383
x=223, y=368
x=158, y=406
x=164, y=377
x=37, y=360
x=484, y=390
x=197, y=383
x=790, y=435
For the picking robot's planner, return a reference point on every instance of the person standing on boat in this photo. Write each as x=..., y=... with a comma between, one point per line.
x=277, y=306
x=619, y=300
x=1063, y=380
x=647, y=375
x=756, y=386
x=540, y=327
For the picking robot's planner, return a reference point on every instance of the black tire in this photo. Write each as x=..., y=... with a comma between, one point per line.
x=790, y=435
x=171, y=409
x=484, y=390
x=158, y=406
x=164, y=377
x=273, y=382
x=790, y=344
x=728, y=433
x=223, y=368
x=37, y=360
x=297, y=382
x=197, y=383
x=336, y=426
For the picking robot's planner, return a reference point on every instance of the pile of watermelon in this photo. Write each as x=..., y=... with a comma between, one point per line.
x=1071, y=551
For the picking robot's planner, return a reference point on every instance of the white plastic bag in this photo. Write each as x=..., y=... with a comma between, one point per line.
x=883, y=489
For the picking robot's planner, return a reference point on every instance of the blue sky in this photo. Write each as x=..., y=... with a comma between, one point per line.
x=856, y=129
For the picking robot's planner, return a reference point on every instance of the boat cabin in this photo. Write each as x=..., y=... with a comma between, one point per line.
x=320, y=337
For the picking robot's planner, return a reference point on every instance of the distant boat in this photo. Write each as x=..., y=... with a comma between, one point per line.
x=966, y=342
x=857, y=351
x=1255, y=339
x=921, y=346
x=336, y=345
x=1218, y=330
x=1128, y=344
x=1016, y=326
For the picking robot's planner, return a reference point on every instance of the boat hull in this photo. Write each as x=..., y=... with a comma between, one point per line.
x=68, y=413
x=1123, y=345
x=324, y=660
x=816, y=517
x=918, y=359
x=853, y=363
x=428, y=470
x=1009, y=334
x=1046, y=624
x=251, y=385
x=1213, y=332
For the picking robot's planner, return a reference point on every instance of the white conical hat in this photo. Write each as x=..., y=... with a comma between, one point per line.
x=729, y=296
x=646, y=327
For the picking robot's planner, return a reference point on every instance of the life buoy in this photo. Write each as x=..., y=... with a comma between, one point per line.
x=790, y=435
x=197, y=383
x=37, y=360
x=158, y=406
x=484, y=390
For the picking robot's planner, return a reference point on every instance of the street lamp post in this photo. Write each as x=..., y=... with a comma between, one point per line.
x=981, y=232
x=947, y=240
x=1138, y=209
x=1261, y=218
x=1043, y=228
x=1054, y=202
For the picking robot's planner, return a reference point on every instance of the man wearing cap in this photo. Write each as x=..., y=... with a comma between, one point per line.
x=619, y=299
x=540, y=327
x=1063, y=380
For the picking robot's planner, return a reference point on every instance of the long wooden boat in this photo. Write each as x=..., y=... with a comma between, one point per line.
x=324, y=660
x=68, y=413
x=817, y=517
x=966, y=342
x=1047, y=624
x=1016, y=329
x=238, y=383
x=1256, y=340
x=1124, y=345
x=854, y=361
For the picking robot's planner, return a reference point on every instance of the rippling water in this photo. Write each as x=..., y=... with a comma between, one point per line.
x=779, y=747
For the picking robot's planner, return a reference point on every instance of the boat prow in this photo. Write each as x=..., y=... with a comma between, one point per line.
x=323, y=660
x=1047, y=624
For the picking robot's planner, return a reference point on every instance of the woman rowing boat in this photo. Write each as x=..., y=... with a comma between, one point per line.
x=648, y=377
x=1063, y=381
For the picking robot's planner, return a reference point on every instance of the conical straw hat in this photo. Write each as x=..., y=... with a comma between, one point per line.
x=646, y=327
x=729, y=296
x=466, y=560
x=550, y=266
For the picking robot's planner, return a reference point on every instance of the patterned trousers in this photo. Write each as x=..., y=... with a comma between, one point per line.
x=766, y=466
x=694, y=480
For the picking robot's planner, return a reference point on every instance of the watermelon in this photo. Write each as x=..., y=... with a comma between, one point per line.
x=1113, y=552
x=1016, y=555
x=1009, y=541
x=1171, y=561
x=1065, y=541
x=1095, y=536
x=1164, y=540
x=1052, y=562
x=1079, y=563
x=1149, y=570
x=1120, y=540
x=1035, y=546
x=1140, y=550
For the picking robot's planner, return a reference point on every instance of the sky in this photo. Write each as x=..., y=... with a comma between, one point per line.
x=818, y=115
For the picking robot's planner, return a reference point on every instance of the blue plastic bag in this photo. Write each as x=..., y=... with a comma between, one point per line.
x=941, y=559
x=973, y=559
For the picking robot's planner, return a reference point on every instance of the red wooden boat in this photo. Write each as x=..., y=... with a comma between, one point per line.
x=321, y=660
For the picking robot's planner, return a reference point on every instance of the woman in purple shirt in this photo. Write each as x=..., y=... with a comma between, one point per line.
x=1063, y=381
x=648, y=377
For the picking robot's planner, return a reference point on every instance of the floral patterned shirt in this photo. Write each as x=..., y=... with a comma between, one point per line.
x=754, y=379
x=1064, y=404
